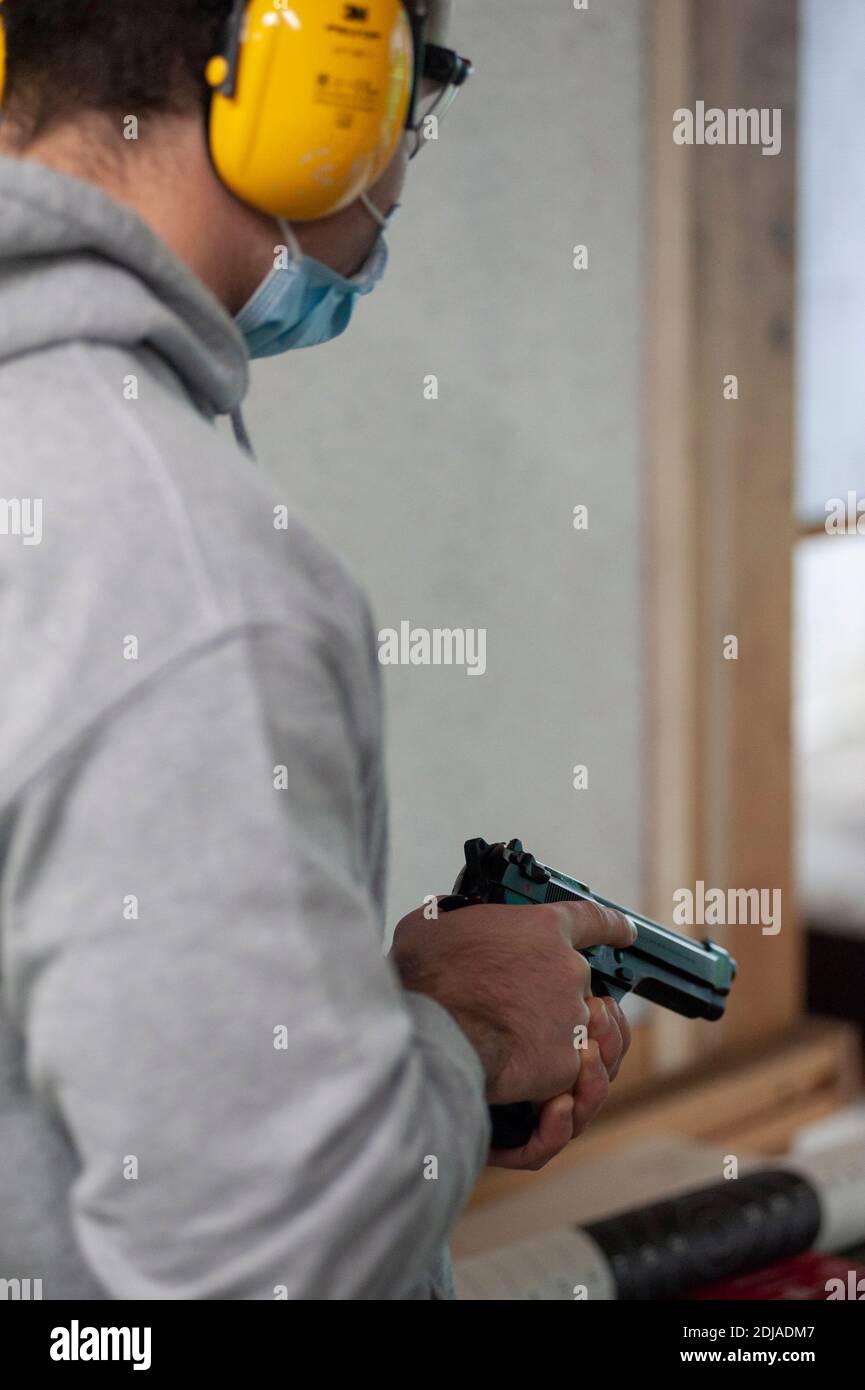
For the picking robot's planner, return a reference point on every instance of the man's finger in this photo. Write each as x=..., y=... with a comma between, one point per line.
x=586, y=923
x=604, y=1028
x=591, y=1089
x=555, y=1130
x=622, y=1019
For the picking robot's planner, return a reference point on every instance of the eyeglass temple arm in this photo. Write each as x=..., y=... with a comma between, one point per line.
x=444, y=66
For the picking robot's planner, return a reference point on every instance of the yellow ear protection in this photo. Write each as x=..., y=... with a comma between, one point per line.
x=2, y=56
x=310, y=98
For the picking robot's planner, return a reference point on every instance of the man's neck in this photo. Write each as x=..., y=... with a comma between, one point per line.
x=167, y=178
x=169, y=181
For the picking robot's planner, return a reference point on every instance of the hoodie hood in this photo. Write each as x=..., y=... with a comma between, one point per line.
x=77, y=266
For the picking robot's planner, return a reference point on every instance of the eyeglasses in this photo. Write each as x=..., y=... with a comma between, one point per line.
x=447, y=73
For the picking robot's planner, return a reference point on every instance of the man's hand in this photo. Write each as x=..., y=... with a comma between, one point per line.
x=565, y=1117
x=515, y=982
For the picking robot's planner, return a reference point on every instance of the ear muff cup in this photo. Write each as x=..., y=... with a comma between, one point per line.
x=307, y=111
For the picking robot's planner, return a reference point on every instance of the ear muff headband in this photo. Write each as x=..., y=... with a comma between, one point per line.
x=309, y=101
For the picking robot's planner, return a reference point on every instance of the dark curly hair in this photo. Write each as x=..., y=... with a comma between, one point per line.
x=140, y=57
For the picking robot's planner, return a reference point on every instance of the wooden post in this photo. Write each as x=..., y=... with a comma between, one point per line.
x=721, y=273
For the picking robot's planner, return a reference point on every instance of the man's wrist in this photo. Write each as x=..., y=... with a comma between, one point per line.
x=487, y=1038
x=488, y=1041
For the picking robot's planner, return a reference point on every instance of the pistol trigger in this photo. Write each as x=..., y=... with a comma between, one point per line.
x=603, y=987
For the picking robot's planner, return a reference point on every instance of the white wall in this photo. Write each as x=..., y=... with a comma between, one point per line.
x=458, y=513
x=831, y=245
x=830, y=571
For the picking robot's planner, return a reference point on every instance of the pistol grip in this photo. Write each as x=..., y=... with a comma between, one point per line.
x=513, y=1125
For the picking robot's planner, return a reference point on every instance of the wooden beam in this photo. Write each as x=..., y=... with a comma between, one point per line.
x=673, y=542
x=721, y=487
x=745, y=206
x=813, y=530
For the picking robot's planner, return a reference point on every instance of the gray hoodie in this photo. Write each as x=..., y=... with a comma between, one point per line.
x=211, y=1083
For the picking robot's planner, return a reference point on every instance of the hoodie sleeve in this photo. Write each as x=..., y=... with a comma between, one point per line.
x=257, y=1108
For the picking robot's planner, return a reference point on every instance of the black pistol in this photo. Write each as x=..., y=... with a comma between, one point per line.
x=690, y=977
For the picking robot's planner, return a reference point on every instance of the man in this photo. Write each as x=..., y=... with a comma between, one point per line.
x=212, y=1085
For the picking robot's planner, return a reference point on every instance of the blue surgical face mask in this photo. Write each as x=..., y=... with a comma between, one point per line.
x=306, y=303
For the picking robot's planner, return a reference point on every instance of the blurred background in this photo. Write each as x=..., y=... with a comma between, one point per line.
x=458, y=511
x=695, y=383
x=830, y=466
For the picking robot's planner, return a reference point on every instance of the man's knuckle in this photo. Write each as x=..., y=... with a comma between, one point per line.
x=563, y=916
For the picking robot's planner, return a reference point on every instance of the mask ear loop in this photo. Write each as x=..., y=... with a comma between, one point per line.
x=416, y=17
x=291, y=240
x=376, y=214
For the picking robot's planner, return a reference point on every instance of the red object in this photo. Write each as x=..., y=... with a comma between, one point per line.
x=804, y=1278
